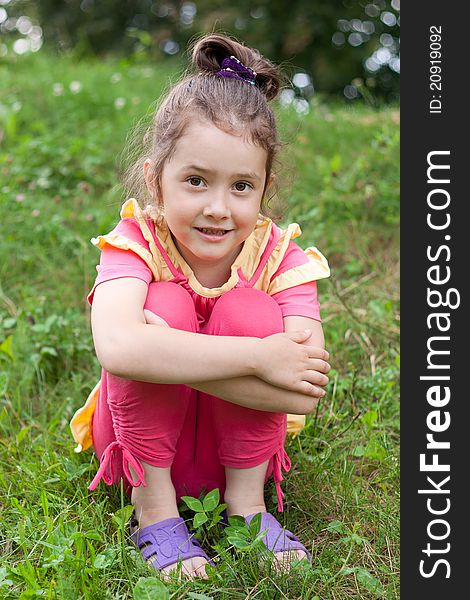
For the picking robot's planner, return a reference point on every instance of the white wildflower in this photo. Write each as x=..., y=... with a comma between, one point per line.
x=119, y=103
x=57, y=89
x=75, y=87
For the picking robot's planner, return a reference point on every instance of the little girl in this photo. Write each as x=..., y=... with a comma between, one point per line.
x=204, y=314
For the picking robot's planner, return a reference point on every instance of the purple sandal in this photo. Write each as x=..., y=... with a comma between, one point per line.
x=277, y=538
x=166, y=542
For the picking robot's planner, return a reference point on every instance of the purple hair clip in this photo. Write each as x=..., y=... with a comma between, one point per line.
x=235, y=69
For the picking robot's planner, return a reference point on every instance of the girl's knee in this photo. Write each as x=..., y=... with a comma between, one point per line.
x=170, y=304
x=246, y=312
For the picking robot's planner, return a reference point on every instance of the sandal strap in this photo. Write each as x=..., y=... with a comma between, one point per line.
x=167, y=542
x=277, y=538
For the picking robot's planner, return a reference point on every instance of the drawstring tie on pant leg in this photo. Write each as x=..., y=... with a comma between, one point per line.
x=107, y=470
x=281, y=460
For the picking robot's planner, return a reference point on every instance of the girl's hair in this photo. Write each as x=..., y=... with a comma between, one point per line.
x=232, y=105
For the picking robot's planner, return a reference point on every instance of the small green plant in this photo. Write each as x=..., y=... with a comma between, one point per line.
x=244, y=536
x=207, y=512
x=150, y=588
x=237, y=534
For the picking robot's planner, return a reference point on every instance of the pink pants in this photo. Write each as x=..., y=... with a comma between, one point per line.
x=173, y=425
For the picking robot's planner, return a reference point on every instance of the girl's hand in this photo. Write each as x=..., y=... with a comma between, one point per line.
x=301, y=370
x=286, y=363
x=152, y=319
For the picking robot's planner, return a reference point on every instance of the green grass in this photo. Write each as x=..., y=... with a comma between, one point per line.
x=58, y=175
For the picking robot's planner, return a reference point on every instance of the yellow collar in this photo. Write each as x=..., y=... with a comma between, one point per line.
x=248, y=259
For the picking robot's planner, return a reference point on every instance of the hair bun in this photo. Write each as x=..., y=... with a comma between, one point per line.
x=209, y=52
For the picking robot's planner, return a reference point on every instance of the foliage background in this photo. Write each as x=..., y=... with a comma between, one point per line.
x=337, y=43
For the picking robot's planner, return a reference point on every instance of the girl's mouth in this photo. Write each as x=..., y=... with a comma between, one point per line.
x=213, y=232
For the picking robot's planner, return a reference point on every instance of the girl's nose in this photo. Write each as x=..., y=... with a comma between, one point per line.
x=217, y=207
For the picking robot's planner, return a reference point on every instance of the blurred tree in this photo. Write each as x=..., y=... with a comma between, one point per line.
x=332, y=41
x=349, y=46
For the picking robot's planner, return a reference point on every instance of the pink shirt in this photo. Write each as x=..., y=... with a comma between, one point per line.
x=300, y=300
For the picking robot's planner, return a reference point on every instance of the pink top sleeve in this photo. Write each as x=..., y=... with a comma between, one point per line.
x=300, y=300
x=116, y=263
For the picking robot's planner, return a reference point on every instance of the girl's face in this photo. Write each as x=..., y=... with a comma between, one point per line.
x=212, y=188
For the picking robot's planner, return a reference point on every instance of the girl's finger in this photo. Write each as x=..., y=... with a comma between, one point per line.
x=152, y=319
x=320, y=353
x=309, y=389
x=317, y=378
x=320, y=365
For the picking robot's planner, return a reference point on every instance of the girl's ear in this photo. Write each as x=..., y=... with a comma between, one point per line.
x=149, y=176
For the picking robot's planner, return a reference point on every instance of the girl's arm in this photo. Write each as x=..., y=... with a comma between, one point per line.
x=300, y=323
x=254, y=393
x=127, y=347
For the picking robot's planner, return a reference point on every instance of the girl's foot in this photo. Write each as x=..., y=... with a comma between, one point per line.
x=286, y=546
x=164, y=541
x=244, y=495
x=191, y=568
x=155, y=504
x=285, y=559
x=276, y=538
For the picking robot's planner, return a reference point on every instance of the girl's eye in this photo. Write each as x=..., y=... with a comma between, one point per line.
x=194, y=181
x=242, y=186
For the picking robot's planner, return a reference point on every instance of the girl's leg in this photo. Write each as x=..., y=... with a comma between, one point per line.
x=250, y=442
x=141, y=424
x=144, y=420
x=244, y=493
x=137, y=425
